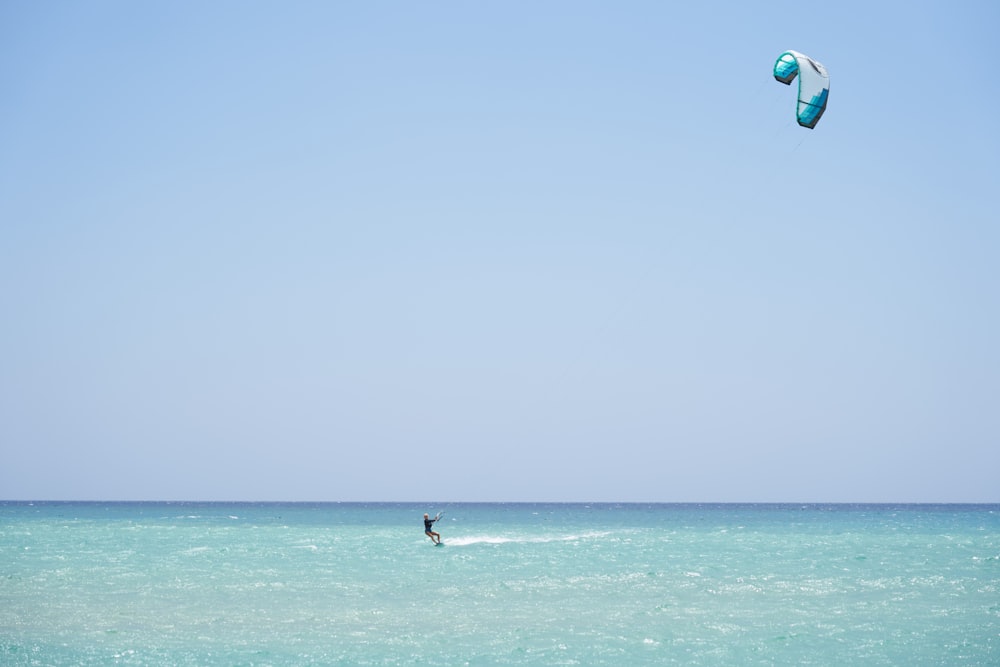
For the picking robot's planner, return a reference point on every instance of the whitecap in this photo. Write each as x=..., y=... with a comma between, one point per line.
x=194, y=550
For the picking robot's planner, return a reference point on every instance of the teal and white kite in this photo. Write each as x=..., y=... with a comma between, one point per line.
x=814, y=84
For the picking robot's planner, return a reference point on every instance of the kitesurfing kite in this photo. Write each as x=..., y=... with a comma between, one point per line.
x=814, y=85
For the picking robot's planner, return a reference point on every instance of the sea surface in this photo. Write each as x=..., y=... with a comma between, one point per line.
x=515, y=584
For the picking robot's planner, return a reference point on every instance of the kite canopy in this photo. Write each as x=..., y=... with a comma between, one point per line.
x=814, y=84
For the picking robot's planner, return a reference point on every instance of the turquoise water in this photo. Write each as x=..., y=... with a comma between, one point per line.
x=516, y=584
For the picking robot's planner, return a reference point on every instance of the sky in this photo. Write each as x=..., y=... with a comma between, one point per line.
x=560, y=251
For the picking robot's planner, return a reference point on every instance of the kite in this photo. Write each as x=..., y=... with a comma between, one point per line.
x=814, y=85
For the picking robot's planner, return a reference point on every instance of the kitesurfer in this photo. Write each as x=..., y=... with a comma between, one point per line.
x=428, y=525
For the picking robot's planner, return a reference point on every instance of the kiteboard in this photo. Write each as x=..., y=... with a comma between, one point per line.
x=439, y=544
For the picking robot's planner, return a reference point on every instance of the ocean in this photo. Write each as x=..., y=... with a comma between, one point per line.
x=515, y=584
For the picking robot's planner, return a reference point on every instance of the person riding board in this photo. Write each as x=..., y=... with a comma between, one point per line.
x=428, y=524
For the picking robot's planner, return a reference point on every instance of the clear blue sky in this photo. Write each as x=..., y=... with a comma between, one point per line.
x=559, y=251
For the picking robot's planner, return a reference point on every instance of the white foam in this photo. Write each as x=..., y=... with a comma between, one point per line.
x=496, y=539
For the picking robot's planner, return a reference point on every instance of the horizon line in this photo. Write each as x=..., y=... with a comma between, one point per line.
x=497, y=502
